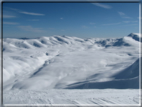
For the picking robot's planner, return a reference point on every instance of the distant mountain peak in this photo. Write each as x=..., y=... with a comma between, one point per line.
x=135, y=36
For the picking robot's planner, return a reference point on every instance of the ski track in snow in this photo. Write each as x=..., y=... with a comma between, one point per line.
x=73, y=97
x=64, y=64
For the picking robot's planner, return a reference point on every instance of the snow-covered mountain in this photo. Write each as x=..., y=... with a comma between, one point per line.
x=62, y=40
x=28, y=55
x=135, y=36
x=63, y=62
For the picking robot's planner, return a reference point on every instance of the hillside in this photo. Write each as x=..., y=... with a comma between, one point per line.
x=65, y=63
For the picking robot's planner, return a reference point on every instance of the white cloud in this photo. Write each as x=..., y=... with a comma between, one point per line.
x=112, y=24
x=10, y=23
x=123, y=15
x=130, y=21
x=13, y=9
x=132, y=25
x=92, y=23
x=84, y=26
x=102, y=5
x=34, y=20
x=126, y=17
x=51, y=28
x=28, y=13
x=61, y=18
x=134, y=21
x=126, y=21
x=30, y=28
x=8, y=16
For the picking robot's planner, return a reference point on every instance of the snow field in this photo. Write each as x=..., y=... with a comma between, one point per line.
x=55, y=66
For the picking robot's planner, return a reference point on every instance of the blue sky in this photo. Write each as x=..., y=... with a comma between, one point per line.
x=83, y=20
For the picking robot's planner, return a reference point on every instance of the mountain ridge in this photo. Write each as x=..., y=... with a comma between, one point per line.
x=57, y=61
x=56, y=39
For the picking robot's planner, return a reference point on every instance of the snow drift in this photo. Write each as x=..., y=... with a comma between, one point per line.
x=127, y=78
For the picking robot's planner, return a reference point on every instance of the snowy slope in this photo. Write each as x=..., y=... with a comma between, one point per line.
x=79, y=98
x=63, y=62
x=127, y=78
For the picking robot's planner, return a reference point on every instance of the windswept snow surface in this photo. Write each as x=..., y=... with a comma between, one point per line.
x=74, y=97
x=58, y=64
